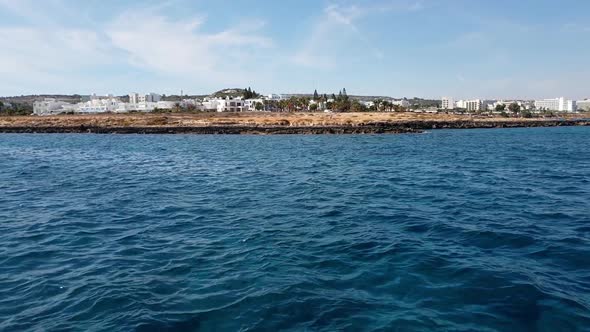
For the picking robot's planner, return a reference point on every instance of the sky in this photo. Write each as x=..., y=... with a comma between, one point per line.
x=493, y=49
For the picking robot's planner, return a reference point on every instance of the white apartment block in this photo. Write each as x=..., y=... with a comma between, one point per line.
x=250, y=104
x=145, y=102
x=583, y=104
x=556, y=104
x=165, y=104
x=230, y=105
x=96, y=105
x=367, y=104
x=49, y=106
x=524, y=104
x=474, y=105
x=210, y=104
x=447, y=103
x=401, y=102
x=136, y=98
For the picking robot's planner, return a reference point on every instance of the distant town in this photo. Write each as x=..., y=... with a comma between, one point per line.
x=247, y=100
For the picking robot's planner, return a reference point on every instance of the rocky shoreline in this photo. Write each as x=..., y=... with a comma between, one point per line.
x=363, y=128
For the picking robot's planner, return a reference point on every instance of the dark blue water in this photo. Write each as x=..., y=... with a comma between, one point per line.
x=479, y=230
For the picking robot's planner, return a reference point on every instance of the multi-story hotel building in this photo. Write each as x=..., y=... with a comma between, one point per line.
x=556, y=104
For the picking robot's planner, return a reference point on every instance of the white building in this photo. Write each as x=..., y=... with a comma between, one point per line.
x=210, y=104
x=250, y=104
x=402, y=102
x=524, y=104
x=225, y=105
x=274, y=97
x=99, y=105
x=166, y=105
x=583, y=104
x=474, y=105
x=136, y=98
x=368, y=104
x=143, y=102
x=447, y=103
x=230, y=105
x=556, y=104
x=50, y=106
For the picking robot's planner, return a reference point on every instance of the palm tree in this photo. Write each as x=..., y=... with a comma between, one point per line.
x=386, y=105
x=378, y=103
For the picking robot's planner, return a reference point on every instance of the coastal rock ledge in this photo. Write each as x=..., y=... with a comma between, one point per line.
x=220, y=125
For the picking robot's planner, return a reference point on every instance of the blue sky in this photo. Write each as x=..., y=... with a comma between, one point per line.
x=399, y=48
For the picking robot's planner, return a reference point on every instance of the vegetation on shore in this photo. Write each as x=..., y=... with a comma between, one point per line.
x=15, y=108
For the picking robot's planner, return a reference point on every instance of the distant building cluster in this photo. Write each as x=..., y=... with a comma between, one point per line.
x=474, y=105
x=101, y=104
x=148, y=103
x=394, y=102
x=136, y=102
x=583, y=105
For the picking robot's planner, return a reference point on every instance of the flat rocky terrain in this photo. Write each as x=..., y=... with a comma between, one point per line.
x=270, y=123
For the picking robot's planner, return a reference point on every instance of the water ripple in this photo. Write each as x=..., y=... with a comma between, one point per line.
x=452, y=230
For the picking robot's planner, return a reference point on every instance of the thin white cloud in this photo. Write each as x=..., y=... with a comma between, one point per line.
x=318, y=48
x=51, y=50
x=159, y=44
x=343, y=15
x=322, y=49
x=46, y=48
x=400, y=6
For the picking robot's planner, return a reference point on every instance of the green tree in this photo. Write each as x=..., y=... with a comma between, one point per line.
x=357, y=106
x=313, y=107
x=526, y=114
x=283, y=105
x=259, y=106
x=248, y=93
x=315, y=95
x=500, y=107
x=292, y=104
x=514, y=108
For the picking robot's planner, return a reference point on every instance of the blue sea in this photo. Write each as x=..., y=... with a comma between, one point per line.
x=450, y=230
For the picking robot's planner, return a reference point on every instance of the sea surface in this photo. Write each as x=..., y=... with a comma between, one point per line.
x=451, y=230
